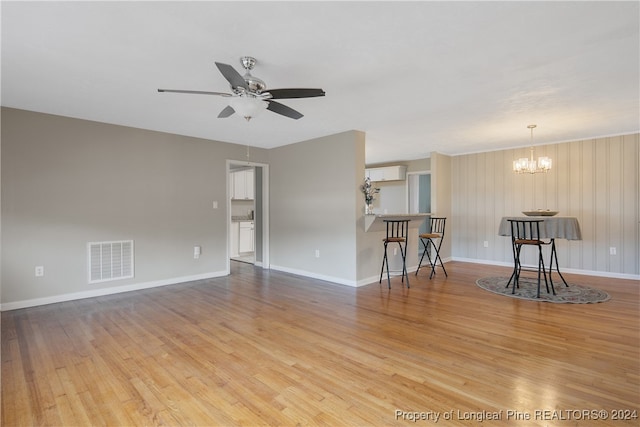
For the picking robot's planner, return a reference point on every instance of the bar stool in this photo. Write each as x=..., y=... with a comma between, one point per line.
x=527, y=232
x=396, y=233
x=427, y=239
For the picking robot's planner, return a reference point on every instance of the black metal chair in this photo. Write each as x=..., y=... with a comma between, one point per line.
x=427, y=239
x=527, y=233
x=396, y=233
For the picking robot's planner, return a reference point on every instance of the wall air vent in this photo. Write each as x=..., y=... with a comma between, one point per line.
x=110, y=260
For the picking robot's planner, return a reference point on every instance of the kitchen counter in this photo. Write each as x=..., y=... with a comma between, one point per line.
x=240, y=218
x=375, y=222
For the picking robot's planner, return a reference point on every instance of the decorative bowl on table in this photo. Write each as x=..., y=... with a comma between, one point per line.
x=540, y=212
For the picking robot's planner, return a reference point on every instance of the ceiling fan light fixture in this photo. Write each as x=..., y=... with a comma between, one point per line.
x=248, y=106
x=249, y=97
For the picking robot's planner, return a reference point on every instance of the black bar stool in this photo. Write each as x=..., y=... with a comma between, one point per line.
x=427, y=239
x=527, y=233
x=396, y=233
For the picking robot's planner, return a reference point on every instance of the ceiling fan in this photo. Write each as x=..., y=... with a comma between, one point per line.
x=249, y=95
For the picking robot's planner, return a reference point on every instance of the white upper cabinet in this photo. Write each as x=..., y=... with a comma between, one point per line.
x=388, y=173
x=243, y=184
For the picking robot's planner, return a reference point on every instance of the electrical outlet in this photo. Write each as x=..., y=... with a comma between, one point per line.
x=215, y=204
x=612, y=250
x=196, y=252
x=395, y=251
x=39, y=271
x=486, y=244
x=317, y=253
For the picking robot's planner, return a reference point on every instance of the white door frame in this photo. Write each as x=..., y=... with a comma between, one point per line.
x=409, y=194
x=426, y=172
x=264, y=213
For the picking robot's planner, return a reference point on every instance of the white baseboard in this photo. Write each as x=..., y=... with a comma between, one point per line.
x=332, y=279
x=341, y=281
x=376, y=279
x=563, y=270
x=107, y=291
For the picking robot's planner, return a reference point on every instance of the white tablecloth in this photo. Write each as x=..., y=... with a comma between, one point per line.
x=552, y=227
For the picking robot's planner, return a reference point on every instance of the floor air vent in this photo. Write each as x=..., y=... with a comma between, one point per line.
x=110, y=260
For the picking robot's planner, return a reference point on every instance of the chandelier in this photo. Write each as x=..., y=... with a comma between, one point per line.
x=529, y=165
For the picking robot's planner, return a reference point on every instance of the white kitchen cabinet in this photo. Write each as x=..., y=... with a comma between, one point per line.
x=388, y=173
x=243, y=184
x=375, y=174
x=246, y=241
x=235, y=238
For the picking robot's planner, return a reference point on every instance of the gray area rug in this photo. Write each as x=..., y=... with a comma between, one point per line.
x=574, y=294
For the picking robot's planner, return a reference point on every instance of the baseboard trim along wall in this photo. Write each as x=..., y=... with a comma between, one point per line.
x=304, y=273
x=374, y=279
x=410, y=269
x=107, y=291
x=562, y=269
x=340, y=281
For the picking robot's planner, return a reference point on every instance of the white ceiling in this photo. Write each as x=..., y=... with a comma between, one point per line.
x=417, y=77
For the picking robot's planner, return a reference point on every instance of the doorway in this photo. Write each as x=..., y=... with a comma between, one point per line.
x=419, y=200
x=247, y=209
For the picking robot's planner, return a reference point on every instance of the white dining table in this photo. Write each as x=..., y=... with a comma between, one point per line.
x=551, y=227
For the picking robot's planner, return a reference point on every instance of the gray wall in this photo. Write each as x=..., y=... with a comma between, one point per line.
x=66, y=182
x=595, y=180
x=315, y=205
x=441, y=197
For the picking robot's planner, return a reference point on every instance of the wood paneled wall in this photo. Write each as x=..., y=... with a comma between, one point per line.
x=595, y=180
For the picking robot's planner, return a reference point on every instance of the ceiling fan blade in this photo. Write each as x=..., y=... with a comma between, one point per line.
x=282, y=109
x=197, y=92
x=226, y=112
x=232, y=76
x=295, y=93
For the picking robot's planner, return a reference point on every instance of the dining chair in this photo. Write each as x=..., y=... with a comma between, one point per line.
x=396, y=233
x=436, y=233
x=527, y=233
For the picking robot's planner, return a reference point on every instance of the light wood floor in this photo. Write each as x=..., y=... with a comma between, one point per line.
x=267, y=348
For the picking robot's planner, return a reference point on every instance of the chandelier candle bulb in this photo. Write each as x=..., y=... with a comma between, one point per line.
x=544, y=163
